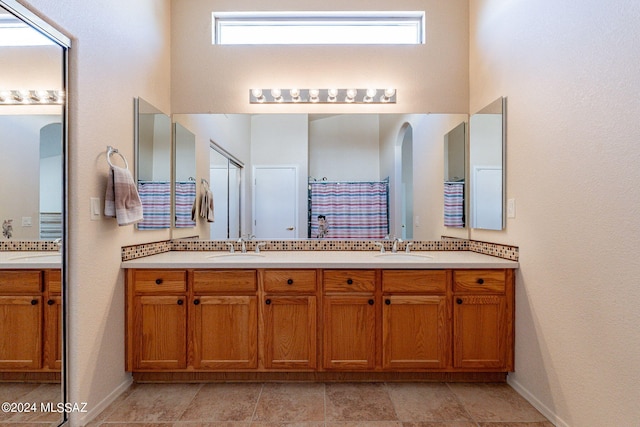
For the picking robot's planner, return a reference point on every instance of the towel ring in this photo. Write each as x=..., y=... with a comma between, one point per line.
x=110, y=151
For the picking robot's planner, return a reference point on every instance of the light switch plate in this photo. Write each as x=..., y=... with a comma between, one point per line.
x=511, y=208
x=95, y=208
x=26, y=221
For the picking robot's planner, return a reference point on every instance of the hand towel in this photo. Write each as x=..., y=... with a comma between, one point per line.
x=210, y=216
x=121, y=198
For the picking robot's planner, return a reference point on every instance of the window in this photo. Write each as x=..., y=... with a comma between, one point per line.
x=231, y=28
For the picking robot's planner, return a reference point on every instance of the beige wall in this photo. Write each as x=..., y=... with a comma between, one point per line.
x=429, y=78
x=119, y=52
x=570, y=72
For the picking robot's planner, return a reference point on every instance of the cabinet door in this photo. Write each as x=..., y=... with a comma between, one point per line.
x=225, y=332
x=480, y=331
x=415, y=334
x=290, y=332
x=160, y=332
x=349, y=332
x=20, y=350
x=53, y=333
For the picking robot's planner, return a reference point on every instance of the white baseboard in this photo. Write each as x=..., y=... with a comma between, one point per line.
x=544, y=409
x=87, y=417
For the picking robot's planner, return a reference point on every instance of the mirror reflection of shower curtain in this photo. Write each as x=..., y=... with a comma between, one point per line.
x=352, y=209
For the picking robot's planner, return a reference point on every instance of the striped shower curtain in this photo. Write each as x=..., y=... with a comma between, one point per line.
x=156, y=204
x=185, y=198
x=352, y=209
x=454, y=204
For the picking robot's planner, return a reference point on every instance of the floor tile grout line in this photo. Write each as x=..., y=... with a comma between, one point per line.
x=189, y=403
x=455, y=395
x=255, y=407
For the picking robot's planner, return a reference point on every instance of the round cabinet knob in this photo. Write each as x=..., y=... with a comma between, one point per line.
x=268, y=302
x=349, y=281
x=290, y=282
x=34, y=302
x=371, y=302
x=387, y=301
x=51, y=302
x=480, y=281
x=196, y=302
x=158, y=281
x=180, y=302
x=459, y=301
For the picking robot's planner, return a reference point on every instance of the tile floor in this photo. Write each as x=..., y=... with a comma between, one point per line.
x=321, y=405
x=294, y=405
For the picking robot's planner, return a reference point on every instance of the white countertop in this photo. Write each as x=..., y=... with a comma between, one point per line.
x=320, y=259
x=30, y=260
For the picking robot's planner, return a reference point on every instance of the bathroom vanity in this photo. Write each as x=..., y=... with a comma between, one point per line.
x=30, y=308
x=325, y=315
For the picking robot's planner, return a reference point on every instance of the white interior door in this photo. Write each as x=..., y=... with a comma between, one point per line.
x=275, y=201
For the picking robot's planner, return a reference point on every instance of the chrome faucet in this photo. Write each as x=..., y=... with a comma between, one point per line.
x=258, y=246
x=231, y=248
x=396, y=241
x=58, y=243
x=406, y=247
x=243, y=242
x=381, y=246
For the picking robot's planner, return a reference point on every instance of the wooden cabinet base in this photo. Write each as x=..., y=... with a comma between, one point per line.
x=197, y=377
x=30, y=377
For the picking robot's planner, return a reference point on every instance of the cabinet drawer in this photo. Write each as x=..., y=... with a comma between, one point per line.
x=224, y=281
x=349, y=280
x=432, y=281
x=54, y=281
x=294, y=281
x=492, y=281
x=160, y=281
x=20, y=281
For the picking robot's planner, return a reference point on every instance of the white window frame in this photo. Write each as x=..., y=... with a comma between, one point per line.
x=302, y=22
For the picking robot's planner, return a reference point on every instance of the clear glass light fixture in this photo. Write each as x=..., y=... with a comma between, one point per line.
x=322, y=96
x=31, y=97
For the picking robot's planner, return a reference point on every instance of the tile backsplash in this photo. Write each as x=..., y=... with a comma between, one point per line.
x=446, y=244
x=29, y=245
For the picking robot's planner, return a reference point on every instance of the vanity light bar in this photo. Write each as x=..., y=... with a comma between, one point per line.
x=322, y=96
x=31, y=97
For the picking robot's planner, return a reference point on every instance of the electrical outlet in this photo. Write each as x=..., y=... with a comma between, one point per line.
x=511, y=208
x=26, y=221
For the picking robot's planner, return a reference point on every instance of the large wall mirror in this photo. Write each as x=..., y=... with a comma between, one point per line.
x=33, y=142
x=487, y=164
x=455, y=172
x=298, y=172
x=153, y=165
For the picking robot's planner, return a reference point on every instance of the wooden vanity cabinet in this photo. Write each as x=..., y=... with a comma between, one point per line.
x=224, y=319
x=157, y=305
x=31, y=326
x=349, y=319
x=415, y=320
x=319, y=323
x=483, y=325
x=53, y=320
x=289, y=322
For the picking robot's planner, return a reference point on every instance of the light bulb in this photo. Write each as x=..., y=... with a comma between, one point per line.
x=277, y=94
x=371, y=92
x=333, y=93
x=257, y=93
x=389, y=92
x=4, y=95
x=295, y=93
x=313, y=95
x=351, y=95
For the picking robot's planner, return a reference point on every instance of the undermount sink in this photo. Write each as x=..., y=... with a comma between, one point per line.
x=403, y=256
x=38, y=257
x=236, y=255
